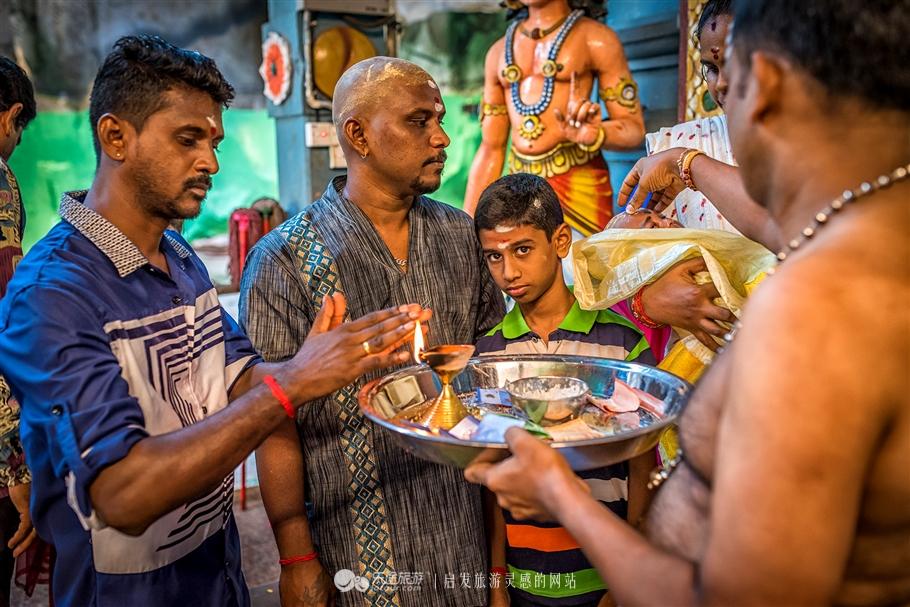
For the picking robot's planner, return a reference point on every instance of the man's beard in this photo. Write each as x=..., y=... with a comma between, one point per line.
x=160, y=204
x=419, y=187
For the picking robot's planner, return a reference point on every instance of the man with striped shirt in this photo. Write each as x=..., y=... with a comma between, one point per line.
x=520, y=226
x=377, y=510
x=140, y=394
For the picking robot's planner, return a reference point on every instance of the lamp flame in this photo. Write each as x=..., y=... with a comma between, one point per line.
x=418, y=342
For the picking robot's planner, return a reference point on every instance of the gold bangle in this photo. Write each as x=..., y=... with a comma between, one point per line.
x=598, y=143
x=684, y=163
x=492, y=109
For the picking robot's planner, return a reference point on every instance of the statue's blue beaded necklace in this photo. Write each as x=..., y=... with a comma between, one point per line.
x=512, y=73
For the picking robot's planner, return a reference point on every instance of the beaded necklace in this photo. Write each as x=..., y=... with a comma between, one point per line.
x=659, y=475
x=531, y=127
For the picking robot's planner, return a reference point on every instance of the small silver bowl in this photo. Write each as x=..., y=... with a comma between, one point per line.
x=548, y=400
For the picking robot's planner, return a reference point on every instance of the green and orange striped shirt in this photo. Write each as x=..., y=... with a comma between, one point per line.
x=546, y=566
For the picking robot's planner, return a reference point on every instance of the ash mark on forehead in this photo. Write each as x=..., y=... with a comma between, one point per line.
x=501, y=229
x=379, y=79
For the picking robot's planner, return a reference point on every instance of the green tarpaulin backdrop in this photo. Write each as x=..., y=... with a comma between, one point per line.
x=56, y=155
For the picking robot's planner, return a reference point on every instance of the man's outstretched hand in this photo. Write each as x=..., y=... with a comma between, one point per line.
x=336, y=353
x=657, y=173
x=529, y=482
x=676, y=299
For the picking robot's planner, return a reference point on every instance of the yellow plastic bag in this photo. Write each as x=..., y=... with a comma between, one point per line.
x=613, y=265
x=616, y=264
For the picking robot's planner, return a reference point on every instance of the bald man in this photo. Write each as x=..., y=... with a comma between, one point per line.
x=139, y=393
x=407, y=532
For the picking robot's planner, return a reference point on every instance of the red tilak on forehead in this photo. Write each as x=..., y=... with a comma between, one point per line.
x=714, y=26
x=437, y=99
x=715, y=51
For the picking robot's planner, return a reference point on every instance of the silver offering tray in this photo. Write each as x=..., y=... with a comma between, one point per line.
x=626, y=437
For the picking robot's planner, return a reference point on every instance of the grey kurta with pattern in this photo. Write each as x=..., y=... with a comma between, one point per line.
x=431, y=518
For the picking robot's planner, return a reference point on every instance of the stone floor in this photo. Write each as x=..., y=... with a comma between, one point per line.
x=260, y=557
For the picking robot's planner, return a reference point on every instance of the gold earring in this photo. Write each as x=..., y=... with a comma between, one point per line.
x=364, y=155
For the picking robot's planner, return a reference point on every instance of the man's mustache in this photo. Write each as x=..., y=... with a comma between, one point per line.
x=203, y=181
x=441, y=158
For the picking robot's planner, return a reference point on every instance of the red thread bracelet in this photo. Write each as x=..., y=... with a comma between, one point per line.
x=638, y=311
x=499, y=571
x=278, y=393
x=298, y=559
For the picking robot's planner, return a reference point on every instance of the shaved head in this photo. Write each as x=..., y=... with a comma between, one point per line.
x=366, y=84
x=388, y=114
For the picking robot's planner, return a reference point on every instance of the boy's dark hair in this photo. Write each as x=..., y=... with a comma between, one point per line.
x=15, y=87
x=712, y=10
x=517, y=200
x=853, y=48
x=140, y=70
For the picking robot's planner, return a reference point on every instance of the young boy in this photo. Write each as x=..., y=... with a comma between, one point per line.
x=520, y=226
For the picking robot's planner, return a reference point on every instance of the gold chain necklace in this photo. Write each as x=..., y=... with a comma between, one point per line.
x=659, y=475
x=537, y=33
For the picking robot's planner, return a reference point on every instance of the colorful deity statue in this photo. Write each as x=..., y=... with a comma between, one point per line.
x=538, y=81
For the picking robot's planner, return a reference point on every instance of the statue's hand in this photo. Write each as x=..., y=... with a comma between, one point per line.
x=582, y=120
x=580, y=124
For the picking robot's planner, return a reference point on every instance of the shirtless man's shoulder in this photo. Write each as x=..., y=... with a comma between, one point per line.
x=824, y=483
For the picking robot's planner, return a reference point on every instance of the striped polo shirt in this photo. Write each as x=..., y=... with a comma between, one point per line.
x=103, y=349
x=546, y=564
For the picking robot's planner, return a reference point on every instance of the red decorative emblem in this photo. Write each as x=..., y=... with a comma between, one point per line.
x=276, y=68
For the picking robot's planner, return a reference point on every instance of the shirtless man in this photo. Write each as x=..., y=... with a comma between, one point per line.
x=796, y=490
x=558, y=136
